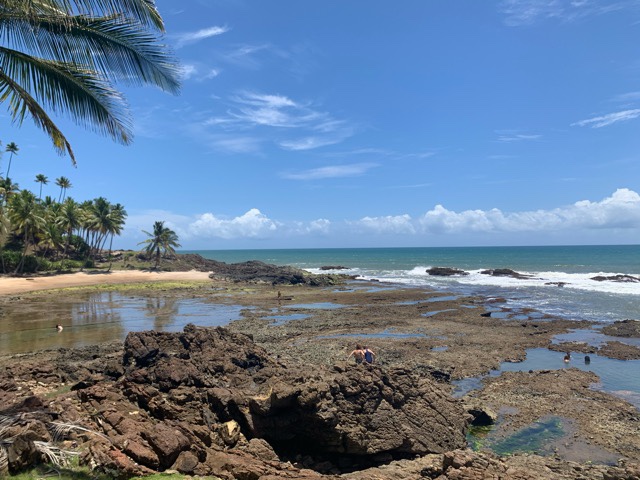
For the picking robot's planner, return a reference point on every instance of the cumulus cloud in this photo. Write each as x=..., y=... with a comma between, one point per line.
x=252, y=224
x=609, y=119
x=618, y=212
x=621, y=210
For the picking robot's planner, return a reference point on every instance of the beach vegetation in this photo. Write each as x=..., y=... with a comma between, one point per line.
x=67, y=56
x=162, y=241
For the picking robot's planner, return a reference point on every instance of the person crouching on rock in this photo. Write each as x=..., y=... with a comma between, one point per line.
x=369, y=356
x=358, y=354
x=59, y=327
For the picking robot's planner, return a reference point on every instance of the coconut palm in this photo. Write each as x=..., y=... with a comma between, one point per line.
x=7, y=189
x=65, y=56
x=42, y=180
x=69, y=218
x=26, y=219
x=64, y=183
x=12, y=148
x=162, y=240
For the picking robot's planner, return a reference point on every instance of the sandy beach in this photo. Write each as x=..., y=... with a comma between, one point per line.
x=14, y=285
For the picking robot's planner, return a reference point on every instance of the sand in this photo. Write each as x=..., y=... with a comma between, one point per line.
x=15, y=285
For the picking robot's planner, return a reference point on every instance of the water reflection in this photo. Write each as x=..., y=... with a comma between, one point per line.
x=100, y=317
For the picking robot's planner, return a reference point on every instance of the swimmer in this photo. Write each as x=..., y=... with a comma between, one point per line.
x=567, y=357
x=587, y=359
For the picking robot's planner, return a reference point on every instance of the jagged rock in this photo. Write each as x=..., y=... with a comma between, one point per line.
x=445, y=271
x=203, y=392
x=616, y=278
x=504, y=272
x=260, y=272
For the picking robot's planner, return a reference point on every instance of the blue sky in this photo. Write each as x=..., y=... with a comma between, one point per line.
x=375, y=123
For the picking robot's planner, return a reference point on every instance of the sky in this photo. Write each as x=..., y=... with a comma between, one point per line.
x=374, y=124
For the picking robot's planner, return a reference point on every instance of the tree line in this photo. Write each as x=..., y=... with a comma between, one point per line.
x=47, y=233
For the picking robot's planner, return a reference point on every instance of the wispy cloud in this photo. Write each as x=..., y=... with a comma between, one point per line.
x=609, y=119
x=332, y=171
x=627, y=97
x=528, y=12
x=517, y=137
x=289, y=124
x=186, y=38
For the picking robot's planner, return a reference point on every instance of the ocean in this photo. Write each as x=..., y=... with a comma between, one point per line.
x=581, y=297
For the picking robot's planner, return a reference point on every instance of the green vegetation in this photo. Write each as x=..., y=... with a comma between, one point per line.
x=65, y=56
x=40, y=235
x=162, y=241
x=46, y=471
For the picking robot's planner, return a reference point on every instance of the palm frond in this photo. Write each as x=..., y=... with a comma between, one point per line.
x=60, y=430
x=20, y=102
x=87, y=98
x=55, y=455
x=114, y=46
x=142, y=11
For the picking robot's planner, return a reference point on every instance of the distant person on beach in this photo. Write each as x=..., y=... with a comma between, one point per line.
x=369, y=356
x=59, y=327
x=358, y=354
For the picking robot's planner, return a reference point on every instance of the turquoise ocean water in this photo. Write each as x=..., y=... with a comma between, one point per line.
x=580, y=298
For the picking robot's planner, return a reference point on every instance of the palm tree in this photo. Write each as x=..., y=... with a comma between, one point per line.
x=65, y=56
x=7, y=189
x=12, y=148
x=64, y=183
x=117, y=217
x=69, y=219
x=42, y=180
x=26, y=218
x=162, y=240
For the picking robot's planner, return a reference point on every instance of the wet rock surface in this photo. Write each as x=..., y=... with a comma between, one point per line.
x=266, y=400
x=624, y=328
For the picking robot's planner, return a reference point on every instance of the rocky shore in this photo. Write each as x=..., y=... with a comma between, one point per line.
x=269, y=398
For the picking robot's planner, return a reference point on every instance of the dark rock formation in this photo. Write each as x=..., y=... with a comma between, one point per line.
x=260, y=272
x=616, y=278
x=504, y=272
x=333, y=267
x=445, y=271
x=207, y=401
x=623, y=328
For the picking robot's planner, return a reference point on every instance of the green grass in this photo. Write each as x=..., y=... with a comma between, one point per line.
x=78, y=473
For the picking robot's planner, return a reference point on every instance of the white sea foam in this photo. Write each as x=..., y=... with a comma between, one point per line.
x=578, y=281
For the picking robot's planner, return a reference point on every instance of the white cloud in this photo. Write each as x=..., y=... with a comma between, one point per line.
x=621, y=210
x=187, y=38
x=528, y=12
x=290, y=124
x=187, y=71
x=518, y=137
x=609, y=119
x=610, y=216
x=331, y=171
x=252, y=224
x=398, y=224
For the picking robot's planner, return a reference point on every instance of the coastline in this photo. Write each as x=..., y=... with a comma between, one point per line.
x=17, y=285
x=431, y=334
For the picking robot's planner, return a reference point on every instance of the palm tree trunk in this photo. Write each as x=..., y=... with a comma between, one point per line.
x=110, y=259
